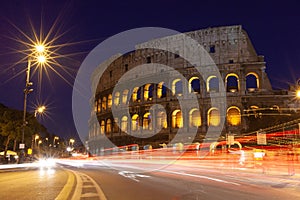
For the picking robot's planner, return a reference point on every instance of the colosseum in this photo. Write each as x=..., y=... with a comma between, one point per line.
x=241, y=78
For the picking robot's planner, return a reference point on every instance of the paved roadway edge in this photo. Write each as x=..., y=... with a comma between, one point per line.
x=67, y=189
x=66, y=192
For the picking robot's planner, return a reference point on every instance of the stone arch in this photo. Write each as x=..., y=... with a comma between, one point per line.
x=125, y=96
x=194, y=84
x=104, y=103
x=147, y=121
x=109, y=101
x=194, y=118
x=124, y=123
x=148, y=92
x=135, y=122
x=102, y=127
x=252, y=82
x=213, y=117
x=177, y=119
x=161, y=90
x=108, y=126
x=177, y=87
x=161, y=120
x=232, y=82
x=117, y=99
x=135, y=94
x=233, y=116
x=212, y=84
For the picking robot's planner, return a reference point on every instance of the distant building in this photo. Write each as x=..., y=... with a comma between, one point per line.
x=247, y=86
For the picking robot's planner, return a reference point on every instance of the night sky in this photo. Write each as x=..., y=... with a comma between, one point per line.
x=273, y=27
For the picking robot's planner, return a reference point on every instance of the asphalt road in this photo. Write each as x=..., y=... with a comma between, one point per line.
x=130, y=180
x=29, y=184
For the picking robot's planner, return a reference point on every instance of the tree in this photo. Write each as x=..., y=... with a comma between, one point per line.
x=11, y=127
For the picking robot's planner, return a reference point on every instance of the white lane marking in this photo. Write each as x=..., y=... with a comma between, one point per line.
x=199, y=176
x=80, y=178
x=132, y=175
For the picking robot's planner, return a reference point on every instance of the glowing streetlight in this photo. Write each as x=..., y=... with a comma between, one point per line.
x=37, y=55
x=298, y=94
x=39, y=110
x=71, y=142
x=40, y=48
x=55, y=138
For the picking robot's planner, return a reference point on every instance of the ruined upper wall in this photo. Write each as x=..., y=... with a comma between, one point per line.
x=225, y=44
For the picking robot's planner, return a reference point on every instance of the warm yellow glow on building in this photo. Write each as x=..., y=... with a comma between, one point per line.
x=147, y=92
x=161, y=120
x=159, y=89
x=213, y=117
x=174, y=86
x=233, y=116
x=147, y=124
x=109, y=101
x=102, y=128
x=135, y=122
x=108, y=126
x=195, y=118
x=124, y=97
x=177, y=120
x=134, y=94
x=117, y=98
x=124, y=123
x=116, y=125
x=104, y=103
x=99, y=105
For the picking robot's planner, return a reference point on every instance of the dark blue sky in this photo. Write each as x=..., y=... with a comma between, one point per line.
x=273, y=27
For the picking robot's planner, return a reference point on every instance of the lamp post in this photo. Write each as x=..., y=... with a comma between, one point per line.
x=27, y=90
x=55, y=138
x=37, y=54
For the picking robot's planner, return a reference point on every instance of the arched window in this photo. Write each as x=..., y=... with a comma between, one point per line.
x=116, y=125
x=252, y=82
x=102, y=127
x=109, y=101
x=177, y=87
x=148, y=92
x=161, y=90
x=177, y=120
x=147, y=122
x=104, y=103
x=96, y=106
x=124, y=123
x=108, y=126
x=117, y=98
x=161, y=120
x=99, y=105
x=194, y=85
x=213, y=117
x=233, y=116
x=125, y=96
x=135, y=94
x=232, y=82
x=212, y=84
x=135, y=122
x=194, y=118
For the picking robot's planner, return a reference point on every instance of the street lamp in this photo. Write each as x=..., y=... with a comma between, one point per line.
x=298, y=93
x=71, y=142
x=39, y=110
x=40, y=59
x=55, y=138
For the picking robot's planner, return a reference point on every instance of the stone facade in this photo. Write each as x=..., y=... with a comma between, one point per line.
x=242, y=72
